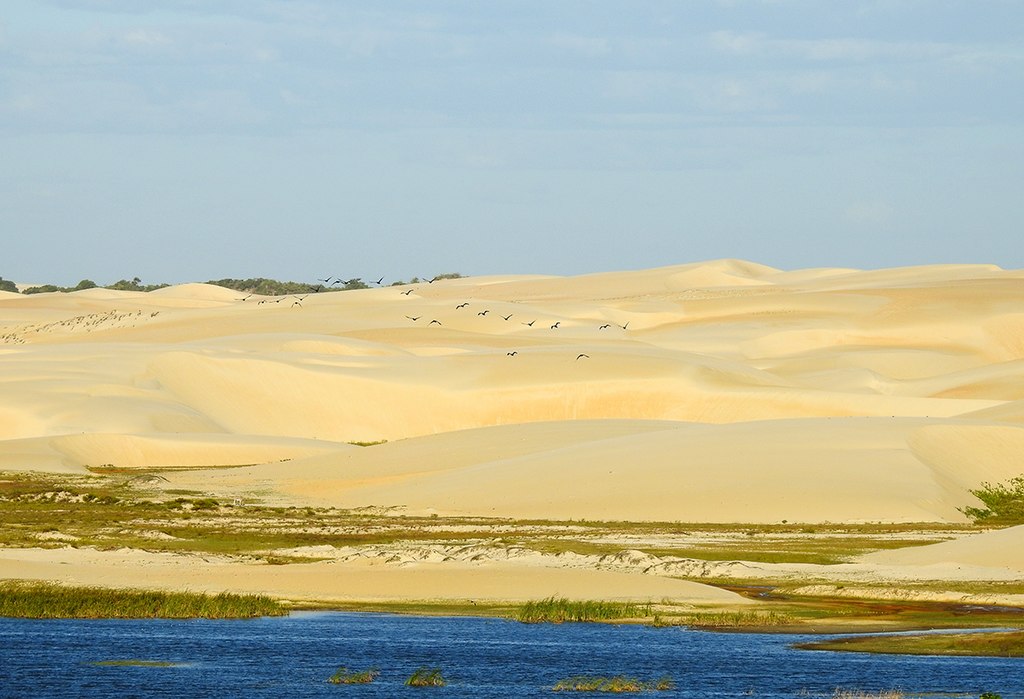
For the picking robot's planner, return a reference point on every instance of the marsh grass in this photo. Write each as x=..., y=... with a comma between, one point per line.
x=37, y=600
x=344, y=676
x=426, y=677
x=619, y=684
x=559, y=609
x=727, y=620
x=135, y=663
x=1005, y=644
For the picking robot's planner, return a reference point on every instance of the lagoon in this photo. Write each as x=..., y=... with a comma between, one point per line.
x=294, y=656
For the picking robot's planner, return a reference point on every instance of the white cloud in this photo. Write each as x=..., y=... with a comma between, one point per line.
x=732, y=42
x=145, y=37
x=874, y=212
x=588, y=46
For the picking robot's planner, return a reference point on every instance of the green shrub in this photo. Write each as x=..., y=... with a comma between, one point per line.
x=1004, y=502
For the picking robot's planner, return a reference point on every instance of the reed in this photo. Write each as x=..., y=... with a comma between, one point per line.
x=559, y=609
x=37, y=600
x=343, y=676
x=612, y=685
x=426, y=677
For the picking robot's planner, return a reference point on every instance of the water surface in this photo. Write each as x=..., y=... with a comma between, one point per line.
x=293, y=657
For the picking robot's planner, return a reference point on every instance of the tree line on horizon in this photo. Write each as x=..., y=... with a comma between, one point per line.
x=257, y=285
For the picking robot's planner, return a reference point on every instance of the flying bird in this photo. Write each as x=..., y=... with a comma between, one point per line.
x=555, y=326
x=508, y=316
x=531, y=322
x=414, y=319
x=326, y=281
x=606, y=325
x=581, y=356
x=511, y=354
x=434, y=321
x=625, y=326
x=462, y=305
x=406, y=293
x=483, y=312
x=378, y=282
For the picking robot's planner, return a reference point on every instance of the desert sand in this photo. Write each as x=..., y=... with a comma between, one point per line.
x=724, y=391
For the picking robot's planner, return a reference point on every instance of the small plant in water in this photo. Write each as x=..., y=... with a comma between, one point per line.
x=614, y=685
x=426, y=677
x=343, y=676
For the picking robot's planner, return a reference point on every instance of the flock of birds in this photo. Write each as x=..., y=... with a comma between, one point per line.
x=334, y=281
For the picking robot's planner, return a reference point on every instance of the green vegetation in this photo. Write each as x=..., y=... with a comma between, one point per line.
x=426, y=677
x=34, y=600
x=134, y=284
x=1004, y=503
x=1005, y=644
x=134, y=663
x=117, y=507
x=617, y=685
x=255, y=285
x=559, y=609
x=344, y=676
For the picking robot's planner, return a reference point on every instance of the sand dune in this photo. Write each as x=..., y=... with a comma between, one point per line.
x=361, y=581
x=718, y=391
x=995, y=549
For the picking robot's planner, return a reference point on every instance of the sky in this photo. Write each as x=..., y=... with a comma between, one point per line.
x=188, y=140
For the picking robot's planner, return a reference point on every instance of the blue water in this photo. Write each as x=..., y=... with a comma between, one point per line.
x=293, y=657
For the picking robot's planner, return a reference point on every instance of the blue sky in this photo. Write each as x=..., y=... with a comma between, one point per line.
x=184, y=140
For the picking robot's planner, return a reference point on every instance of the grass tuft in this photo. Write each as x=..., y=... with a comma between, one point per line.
x=613, y=685
x=39, y=600
x=559, y=609
x=343, y=676
x=426, y=677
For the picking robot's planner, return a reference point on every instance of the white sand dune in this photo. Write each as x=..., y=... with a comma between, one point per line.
x=994, y=549
x=365, y=581
x=719, y=391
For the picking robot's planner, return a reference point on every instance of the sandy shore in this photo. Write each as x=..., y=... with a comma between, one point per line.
x=723, y=391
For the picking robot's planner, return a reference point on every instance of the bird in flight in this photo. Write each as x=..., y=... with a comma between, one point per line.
x=555, y=326
x=434, y=321
x=581, y=356
x=606, y=325
x=625, y=326
x=378, y=282
x=462, y=305
x=483, y=312
x=511, y=354
x=327, y=281
x=414, y=319
x=508, y=316
x=531, y=322
x=406, y=293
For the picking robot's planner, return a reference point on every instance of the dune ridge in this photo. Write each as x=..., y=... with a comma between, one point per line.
x=720, y=391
